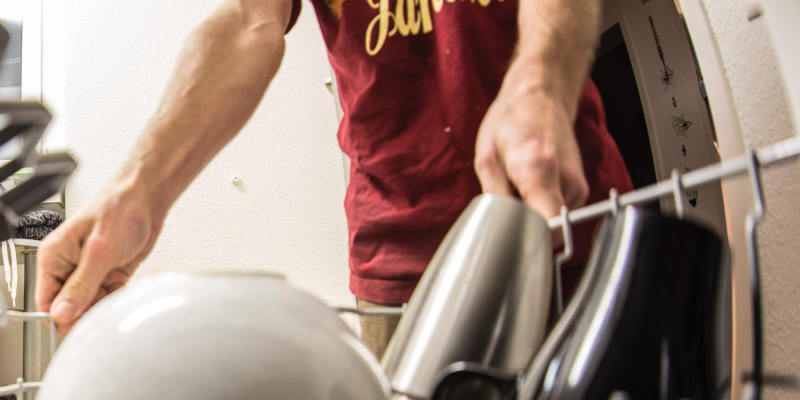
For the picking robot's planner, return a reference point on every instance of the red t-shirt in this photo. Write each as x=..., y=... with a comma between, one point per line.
x=415, y=79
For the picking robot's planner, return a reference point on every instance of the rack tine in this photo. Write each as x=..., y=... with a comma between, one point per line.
x=6, y=315
x=754, y=173
x=751, y=225
x=52, y=335
x=613, y=196
x=19, y=388
x=677, y=193
x=773, y=154
x=564, y=256
x=20, y=391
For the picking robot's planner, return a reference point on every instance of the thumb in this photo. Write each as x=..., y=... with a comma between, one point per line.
x=81, y=287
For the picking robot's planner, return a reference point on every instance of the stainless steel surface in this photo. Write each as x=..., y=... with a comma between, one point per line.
x=531, y=382
x=484, y=298
x=31, y=330
x=595, y=332
x=768, y=155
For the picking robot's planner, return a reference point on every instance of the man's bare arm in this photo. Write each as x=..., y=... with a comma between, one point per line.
x=526, y=144
x=223, y=72
x=557, y=44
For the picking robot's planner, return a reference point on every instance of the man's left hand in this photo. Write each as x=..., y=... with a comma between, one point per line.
x=526, y=147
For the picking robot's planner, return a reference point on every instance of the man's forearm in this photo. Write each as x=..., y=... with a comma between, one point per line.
x=223, y=72
x=557, y=42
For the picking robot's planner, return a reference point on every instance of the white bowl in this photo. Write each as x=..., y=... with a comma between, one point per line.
x=203, y=337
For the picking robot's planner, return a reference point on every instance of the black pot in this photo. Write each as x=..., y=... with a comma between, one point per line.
x=656, y=322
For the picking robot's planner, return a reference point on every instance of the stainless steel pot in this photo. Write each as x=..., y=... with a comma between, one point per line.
x=484, y=298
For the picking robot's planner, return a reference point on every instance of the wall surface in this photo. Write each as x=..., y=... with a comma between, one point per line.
x=758, y=92
x=106, y=64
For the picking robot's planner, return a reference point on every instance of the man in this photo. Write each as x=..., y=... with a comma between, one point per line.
x=441, y=99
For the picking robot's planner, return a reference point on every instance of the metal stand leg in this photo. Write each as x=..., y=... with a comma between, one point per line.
x=32, y=330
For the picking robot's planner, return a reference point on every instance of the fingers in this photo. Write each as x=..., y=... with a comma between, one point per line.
x=491, y=174
x=574, y=186
x=80, y=289
x=115, y=280
x=92, y=255
x=56, y=259
x=575, y=189
x=63, y=329
x=47, y=287
x=534, y=170
x=536, y=173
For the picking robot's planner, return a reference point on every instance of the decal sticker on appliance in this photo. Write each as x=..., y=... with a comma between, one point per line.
x=667, y=74
x=681, y=126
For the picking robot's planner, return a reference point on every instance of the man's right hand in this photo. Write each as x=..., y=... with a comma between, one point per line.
x=94, y=253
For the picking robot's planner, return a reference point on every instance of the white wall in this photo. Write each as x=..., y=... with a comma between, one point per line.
x=759, y=96
x=106, y=64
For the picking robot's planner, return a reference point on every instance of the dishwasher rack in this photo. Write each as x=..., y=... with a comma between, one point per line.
x=750, y=164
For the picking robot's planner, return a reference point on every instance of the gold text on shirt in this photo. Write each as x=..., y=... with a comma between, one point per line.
x=408, y=18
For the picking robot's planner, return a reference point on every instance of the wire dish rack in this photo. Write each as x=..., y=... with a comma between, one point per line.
x=749, y=164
